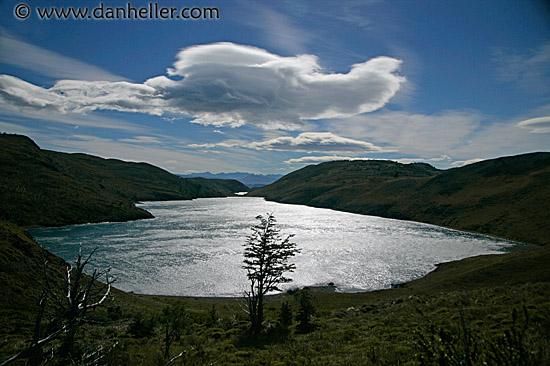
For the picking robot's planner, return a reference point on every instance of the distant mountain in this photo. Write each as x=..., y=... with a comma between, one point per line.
x=41, y=187
x=506, y=197
x=248, y=179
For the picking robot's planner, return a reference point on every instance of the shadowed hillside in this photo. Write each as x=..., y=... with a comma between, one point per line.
x=21, y=269
x=480, y=296
x=381, y=327
x=505, y=197
x=41, y=187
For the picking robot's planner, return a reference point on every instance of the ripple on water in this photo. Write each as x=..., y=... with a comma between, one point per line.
x=195, y=247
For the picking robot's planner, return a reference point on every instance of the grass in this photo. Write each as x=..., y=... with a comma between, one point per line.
x=499, y=303
x=385, y=330
x=491, y=310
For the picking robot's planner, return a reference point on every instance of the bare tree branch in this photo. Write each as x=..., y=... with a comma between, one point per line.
x=175, y=358
x=79, y=298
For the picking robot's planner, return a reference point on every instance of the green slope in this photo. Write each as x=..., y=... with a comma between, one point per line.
x=41, y=187
x=363, y=328
x=505, y=197
x=21, y=269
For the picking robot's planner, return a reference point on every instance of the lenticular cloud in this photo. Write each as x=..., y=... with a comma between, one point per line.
x=226, y=84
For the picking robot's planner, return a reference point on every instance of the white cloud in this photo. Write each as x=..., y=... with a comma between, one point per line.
x=21, y=54
x=279, y=29
x=446, y=158
x=15, y=128
x=466, y=162
x=33, y=116
x=158, y=155
x=536, y=125
x=142, y=140
x=17, y=93
x=462, y=135
x=316, y=142
x=305, y=142
x=413, y=134
x=225, y=84
x=226, y=143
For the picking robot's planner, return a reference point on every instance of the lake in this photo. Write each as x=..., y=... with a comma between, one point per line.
x=195, y=248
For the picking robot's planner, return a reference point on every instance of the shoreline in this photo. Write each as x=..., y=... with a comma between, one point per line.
x=328, y=288
x=331, y=288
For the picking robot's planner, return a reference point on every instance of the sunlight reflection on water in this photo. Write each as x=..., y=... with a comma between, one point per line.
x=195, y=247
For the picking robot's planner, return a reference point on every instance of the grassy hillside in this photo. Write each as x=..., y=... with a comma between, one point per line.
x=41, y=187
x=499, y=302
x=21, y=270
x=505, y=197
x=491, y=309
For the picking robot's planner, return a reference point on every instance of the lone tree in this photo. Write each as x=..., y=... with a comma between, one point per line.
x=266, y=256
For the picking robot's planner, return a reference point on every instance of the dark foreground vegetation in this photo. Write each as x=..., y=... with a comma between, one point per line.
x=491, y=310
x=48, y=188
x=506, y=197
x=486, y=310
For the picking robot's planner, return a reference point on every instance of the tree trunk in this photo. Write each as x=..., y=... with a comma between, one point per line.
x=260, y=310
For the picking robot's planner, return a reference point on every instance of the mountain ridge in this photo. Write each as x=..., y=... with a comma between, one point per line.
x=49, y=188
x=486, y=288
x=249, y=179
x=504, y=197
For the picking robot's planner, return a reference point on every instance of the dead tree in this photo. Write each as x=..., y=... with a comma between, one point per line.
x=82, y=293
x=175, y=318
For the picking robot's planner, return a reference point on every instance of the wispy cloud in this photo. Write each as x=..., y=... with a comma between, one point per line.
x=536, y=125
x=351, y=12
x=164, y=156
x=24, y=55
x=279, y=30
x=16, y=128
x=416, y=134
x=320, y=159
x=224, y=144
x=326, y=142
x=225, y=84
x=33, y=116
x=446, y=139
x=466, y=162
x=442, y=158
x=317, y=142
x=142, y=140
x=530, y=70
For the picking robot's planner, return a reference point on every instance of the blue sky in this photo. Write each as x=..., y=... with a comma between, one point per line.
x=271, y=86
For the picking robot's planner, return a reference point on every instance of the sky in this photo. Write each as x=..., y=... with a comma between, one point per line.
x=271, y=86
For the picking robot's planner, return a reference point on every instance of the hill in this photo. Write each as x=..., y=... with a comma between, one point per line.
x=505, y=197
x=41, y=187
x=249, y=179
x=21, y=269
x=478, y=296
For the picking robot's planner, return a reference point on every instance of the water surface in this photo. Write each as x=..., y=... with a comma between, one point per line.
x=195, y=248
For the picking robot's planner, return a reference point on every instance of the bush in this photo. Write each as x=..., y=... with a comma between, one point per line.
x=459, y=345
x=141, y=327
x=306, y=310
